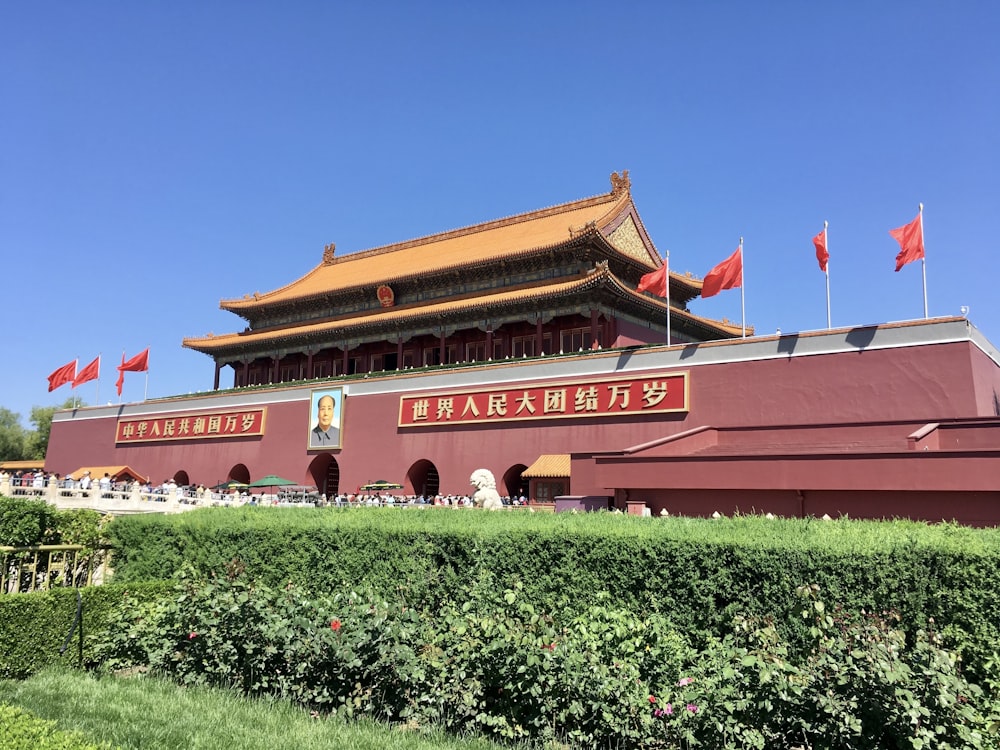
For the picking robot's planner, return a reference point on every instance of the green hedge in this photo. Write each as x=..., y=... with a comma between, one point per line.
x=33, y=627
x=700, y=572
x=20, y=730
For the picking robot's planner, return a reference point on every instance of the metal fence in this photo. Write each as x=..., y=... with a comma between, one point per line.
x=26, y=569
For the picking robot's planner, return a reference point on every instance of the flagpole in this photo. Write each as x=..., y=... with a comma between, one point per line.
x=743, y=299
x=120, y=374
x=826, y=245
x=923, y=260
x=97, y=397
x=666, y=283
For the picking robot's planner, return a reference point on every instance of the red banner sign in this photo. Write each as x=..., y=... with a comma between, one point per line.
x=201, y=426
x=648, y=394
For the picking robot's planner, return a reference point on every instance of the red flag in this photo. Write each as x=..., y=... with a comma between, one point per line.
x=822, y=255
x=138, y=363
x=88, y=373
x=62, y=376
x=656, y=282
x=727, y=275
x=911, y=241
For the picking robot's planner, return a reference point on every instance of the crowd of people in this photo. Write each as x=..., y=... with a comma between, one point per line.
x=169, y=490
x=386, y=499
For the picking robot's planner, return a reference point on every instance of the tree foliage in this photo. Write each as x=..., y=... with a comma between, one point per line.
x=17, y=443
x=13, y=436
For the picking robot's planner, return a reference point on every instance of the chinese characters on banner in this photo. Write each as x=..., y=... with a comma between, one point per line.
x=648, y=394
x=192, y=426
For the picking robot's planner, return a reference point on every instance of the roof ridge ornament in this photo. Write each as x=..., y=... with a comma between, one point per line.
x=590, y=226
x=328, y=252
x=620, y=183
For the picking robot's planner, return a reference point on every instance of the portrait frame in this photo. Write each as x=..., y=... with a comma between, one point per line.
x=332, y=438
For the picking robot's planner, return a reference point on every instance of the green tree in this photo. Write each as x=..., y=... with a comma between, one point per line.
x=13, y=436
x=41, y=417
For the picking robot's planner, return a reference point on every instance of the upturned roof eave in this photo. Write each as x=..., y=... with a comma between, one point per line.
x=615, y=199
x=241, y=343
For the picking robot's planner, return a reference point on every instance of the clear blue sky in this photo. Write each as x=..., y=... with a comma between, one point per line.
x=158, y=157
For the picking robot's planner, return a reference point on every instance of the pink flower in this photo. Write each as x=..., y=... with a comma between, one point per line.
x=692, y=708
x=685, y=681
x=335, y=625
x=668, y=709
x=192, y=635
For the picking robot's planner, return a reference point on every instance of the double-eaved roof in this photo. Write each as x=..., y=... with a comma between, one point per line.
x=609, y=222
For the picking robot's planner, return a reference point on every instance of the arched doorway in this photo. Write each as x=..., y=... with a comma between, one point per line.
x=423, y=479
x=324, y=472
x=181, y=478
x=239, y=473
x=513, y=483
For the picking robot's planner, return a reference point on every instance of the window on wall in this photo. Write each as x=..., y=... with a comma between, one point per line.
x=548, y=491
x=475, y=352
x=288, y=372
x=256, y=376
x=355, y=365
x=407, y=358
x=376, y=363
x=321, y=369
x=575, y=339
x=498, y=348
x=523, y=346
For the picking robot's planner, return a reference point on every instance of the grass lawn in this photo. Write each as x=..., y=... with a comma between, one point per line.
x=152, y=714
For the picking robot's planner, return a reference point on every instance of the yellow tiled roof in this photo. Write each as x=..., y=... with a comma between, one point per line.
x=561, y=287
x=548, y=465
x=503, y=238
x=115, y=472
x=22, y=465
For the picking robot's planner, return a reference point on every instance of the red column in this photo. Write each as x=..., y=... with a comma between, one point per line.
x=399, y=353
x=594, y=332
x=218, y=368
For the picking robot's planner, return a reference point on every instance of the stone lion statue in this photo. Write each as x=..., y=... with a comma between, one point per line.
x=486, y=495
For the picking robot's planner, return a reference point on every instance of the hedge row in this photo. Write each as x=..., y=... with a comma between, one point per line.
x=34, y=627
x=21, y=730
x=699, y=572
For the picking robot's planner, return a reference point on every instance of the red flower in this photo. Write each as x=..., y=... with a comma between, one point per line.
x=335, y=625
x=652, y=699
x=192, y=635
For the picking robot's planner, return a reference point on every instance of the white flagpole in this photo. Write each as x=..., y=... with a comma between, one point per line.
x=743, y=306
x=667, y=285
x=97, y=396
x=826, y=244
x=120, y=374
x=923, y=261
x=145, y=391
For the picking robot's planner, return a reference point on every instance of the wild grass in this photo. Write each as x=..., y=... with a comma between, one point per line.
x=151, y=714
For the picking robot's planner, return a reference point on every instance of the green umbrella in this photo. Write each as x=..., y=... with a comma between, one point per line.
x=380, y=484
x=232, y=484
x=271, y=480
